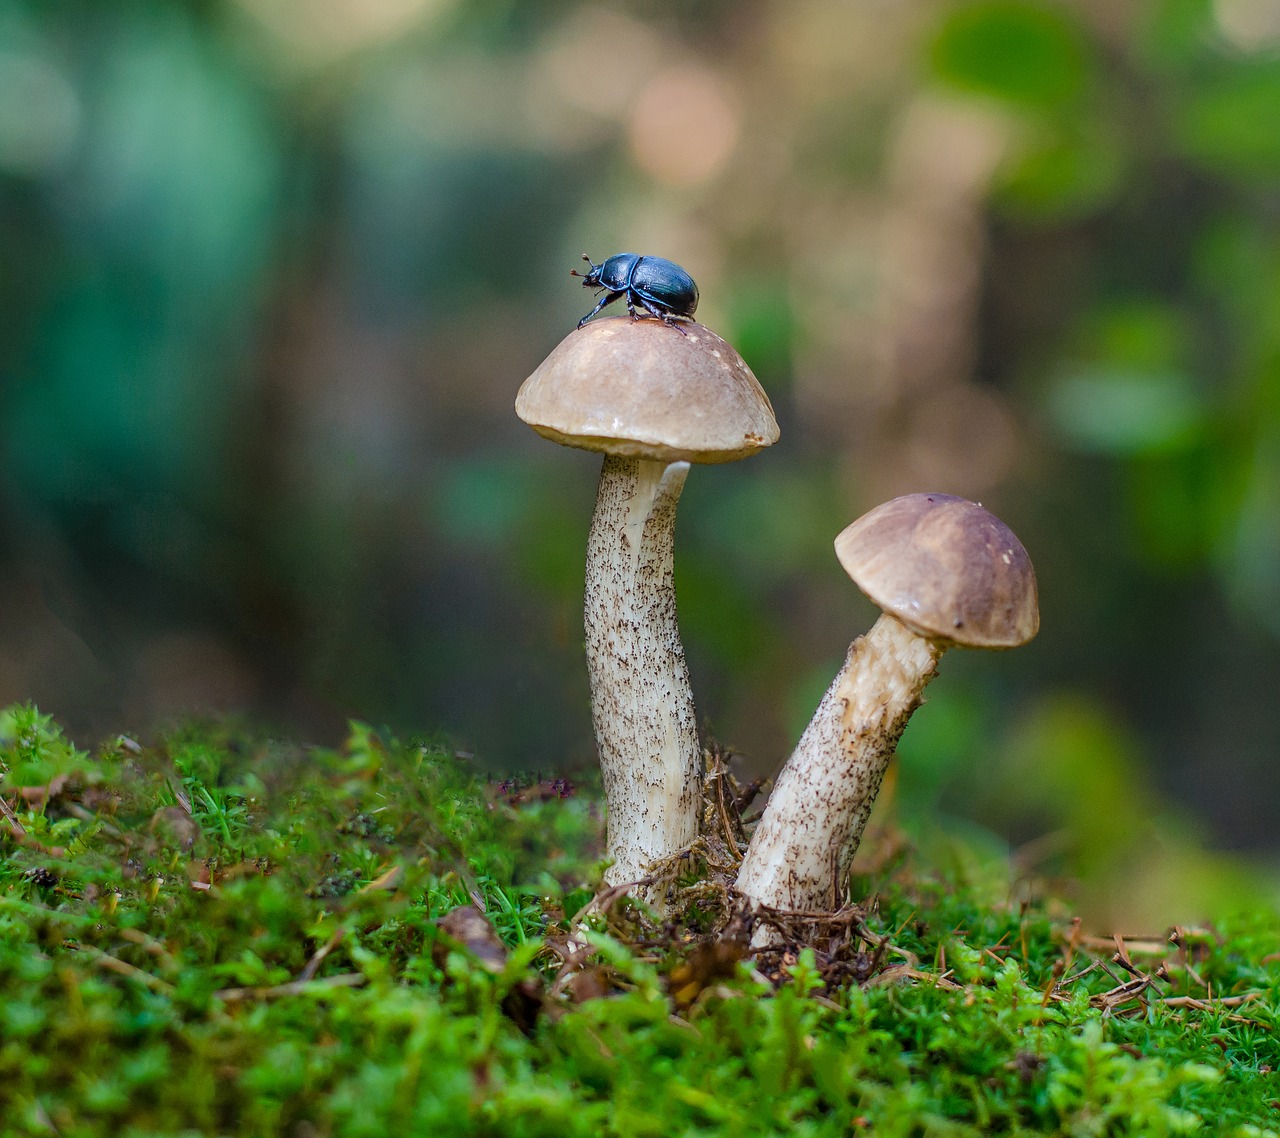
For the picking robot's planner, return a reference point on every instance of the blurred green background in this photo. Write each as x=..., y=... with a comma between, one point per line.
x=271, y=272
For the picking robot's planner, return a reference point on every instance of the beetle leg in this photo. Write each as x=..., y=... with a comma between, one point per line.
x=608, y=298
x=653, y=310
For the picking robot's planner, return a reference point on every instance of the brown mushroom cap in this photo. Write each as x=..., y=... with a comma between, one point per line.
x=640, y=389
x=948, y=569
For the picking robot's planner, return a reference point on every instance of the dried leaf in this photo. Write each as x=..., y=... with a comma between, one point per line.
x=469, y=929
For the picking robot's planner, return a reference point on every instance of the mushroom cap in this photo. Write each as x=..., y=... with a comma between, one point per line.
x=948, y=569
x=641, y=389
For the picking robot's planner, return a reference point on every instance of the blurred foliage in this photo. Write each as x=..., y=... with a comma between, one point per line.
x=274, y=269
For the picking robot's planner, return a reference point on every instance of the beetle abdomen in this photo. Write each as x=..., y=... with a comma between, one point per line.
x=666, y=284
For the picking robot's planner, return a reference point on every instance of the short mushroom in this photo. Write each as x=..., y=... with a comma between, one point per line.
x=654, y=399
x=945, y=572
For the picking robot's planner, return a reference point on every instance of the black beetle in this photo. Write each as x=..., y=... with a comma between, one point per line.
x=661, y=287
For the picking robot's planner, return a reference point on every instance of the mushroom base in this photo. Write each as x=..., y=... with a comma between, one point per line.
x=800, y=852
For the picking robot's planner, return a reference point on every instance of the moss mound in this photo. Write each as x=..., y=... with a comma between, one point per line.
x=223, y=935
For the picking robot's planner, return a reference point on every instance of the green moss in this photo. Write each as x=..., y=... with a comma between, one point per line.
x=224, y=935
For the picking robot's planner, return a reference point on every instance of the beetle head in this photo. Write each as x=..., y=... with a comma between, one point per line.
x=591, y=279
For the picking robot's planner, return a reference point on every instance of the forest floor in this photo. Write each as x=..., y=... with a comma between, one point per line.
x=222, y=934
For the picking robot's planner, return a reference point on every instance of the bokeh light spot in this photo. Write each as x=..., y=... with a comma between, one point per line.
x=1249, y=25
x=39, y=114
x=684, y=126
x=321, y=31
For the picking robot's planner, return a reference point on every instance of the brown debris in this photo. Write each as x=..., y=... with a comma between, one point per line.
x=708, y=963
x=312, y=966
x=515, y=792
x=466, y=927
x=1132, y=996
x=386, y=882
x=175, y=826
x=39, y=795
x=292, y=988
x=129, y=971
x=845, y=950
x=16, y=828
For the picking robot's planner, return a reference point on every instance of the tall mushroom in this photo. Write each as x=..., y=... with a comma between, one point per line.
x=946, y=573
x=654, y=399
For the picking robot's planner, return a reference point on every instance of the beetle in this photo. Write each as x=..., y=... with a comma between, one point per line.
x=661, y=287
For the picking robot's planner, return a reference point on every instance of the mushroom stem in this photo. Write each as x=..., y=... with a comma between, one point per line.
x=801, y=850
x=641, y=700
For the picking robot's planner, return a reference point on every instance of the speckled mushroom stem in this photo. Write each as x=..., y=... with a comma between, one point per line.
x=641, y=701
x=800, y=852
